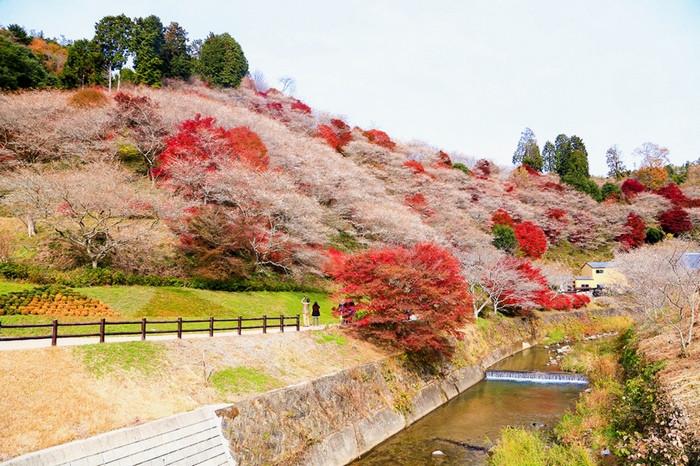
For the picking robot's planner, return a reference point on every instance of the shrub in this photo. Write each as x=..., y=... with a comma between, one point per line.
x=555, y=213
x=415, y=166
x=415, y=299
x=380, y=138
x=631, y=187
x=531, y=239
x=504, y=238
x=652, y=177
x=634, y=232
x=654, y=235
x=461, y=167
x=502, y=217
x=52, y=301
x=299, y=106
x=337, y=134
x=418, y=202
x=89, y=97
x=674, y=194
x=610, y=191
x=443, y=160
x=675, y=221
x=484, y=168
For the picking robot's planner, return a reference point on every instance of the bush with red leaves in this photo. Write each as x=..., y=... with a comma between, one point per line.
x=634, y=233
x=552, y=186
x=380, y=138
x=531, y=239
x=675, y=221
x=443, y=160
x=336, y=135
x=418, y=203
x=483, y=168
x=300, y=106
x=414, y=298
x=275, y=107
x=555, y=213
x=502, y=217
x=200, y=139
x=415, y=166
x=674, y=194
x=631, y=187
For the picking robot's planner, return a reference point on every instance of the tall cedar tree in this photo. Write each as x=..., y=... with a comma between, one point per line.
x=147, y=42
x=113, y=37
x=549, y=157
x=84, y=64
x=221, y=60
x=391, y=285
x=178, y=62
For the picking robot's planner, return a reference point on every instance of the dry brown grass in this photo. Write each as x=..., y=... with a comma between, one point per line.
x=51, y=397
x=89, y=97
x=680, y=376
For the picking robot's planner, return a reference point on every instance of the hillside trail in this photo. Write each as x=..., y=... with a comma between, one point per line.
x=78, y=341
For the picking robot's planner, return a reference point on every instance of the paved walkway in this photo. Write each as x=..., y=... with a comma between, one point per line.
x=76, y=341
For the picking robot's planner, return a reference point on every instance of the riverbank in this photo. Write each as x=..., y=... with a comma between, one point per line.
x=626, y=416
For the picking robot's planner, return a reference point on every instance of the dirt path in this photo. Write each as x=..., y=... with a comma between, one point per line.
x=77, y=341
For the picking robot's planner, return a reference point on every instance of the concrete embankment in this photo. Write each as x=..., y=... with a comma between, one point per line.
x=334, y=419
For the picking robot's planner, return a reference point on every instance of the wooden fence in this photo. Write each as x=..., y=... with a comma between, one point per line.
x=240, y=323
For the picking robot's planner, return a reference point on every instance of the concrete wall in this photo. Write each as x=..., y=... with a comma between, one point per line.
x=334, y=419
x=183, y=439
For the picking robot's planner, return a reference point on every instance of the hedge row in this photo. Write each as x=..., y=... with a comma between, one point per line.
x=84, y=277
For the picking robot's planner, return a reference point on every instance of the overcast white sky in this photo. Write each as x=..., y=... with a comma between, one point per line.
x=461, y=75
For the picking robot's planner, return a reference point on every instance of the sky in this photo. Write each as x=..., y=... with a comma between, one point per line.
x=464, y=76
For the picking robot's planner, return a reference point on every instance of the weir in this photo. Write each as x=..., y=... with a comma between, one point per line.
x=537, y=377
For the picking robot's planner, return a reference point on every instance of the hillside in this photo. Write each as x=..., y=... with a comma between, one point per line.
x=67, y=154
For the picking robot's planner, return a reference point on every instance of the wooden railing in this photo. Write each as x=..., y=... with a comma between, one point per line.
x=181, y=326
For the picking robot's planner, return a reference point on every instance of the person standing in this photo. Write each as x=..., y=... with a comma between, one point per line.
x=305, y=310
x=315, y=313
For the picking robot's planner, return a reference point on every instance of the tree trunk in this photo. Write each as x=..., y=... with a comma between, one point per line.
x=31, y=229
x=94, y=263
x=109, y=76
x=119, y=80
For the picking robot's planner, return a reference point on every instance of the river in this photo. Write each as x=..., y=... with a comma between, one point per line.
x=477, y=416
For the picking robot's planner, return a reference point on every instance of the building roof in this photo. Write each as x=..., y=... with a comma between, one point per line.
x=691, y=260
x=600, y=265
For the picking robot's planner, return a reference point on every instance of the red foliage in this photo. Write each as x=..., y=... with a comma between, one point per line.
x=414, y=299
x=531, y=239
x=274, y=106
x=502, y=217
x=300, y=106
x=674, y=194
x=552, y=186
x=483, y=168
x=334, y=137
x=200, y=139
x=379, y=138
x=631, y=187
x=340, y=124
x=443, y=160
x=675, y=221
x=579, y=300
x=415, y=166
x=556, y=214
x=531, y=171
x=127, y=101
x=418, y=202
x=635, y=232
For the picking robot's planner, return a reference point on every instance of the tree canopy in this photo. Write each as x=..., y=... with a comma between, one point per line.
x=221, y=61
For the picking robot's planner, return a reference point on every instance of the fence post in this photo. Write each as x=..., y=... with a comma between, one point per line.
x=143, y=329
x=54, y=332
x=240, y=325
x=102, y=330
x=281, y=323
x=211, y=326
x=297, y=322
x=179, y=327
x=264, y=323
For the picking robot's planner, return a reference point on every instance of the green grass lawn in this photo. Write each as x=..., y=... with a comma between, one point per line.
x=136, y=302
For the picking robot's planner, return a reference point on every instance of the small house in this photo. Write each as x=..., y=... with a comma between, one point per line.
x=598, y=275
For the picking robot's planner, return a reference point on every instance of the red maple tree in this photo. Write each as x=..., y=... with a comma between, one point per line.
x=414, y=298
x=675, y=221
x=336, y=135
x=300, y=106
x=200, y=139
x=674, y=194
x=634, y=232
x=631, y=187
x=380, y=138
x=415, y=166
x=502, y=217
x=531, y=239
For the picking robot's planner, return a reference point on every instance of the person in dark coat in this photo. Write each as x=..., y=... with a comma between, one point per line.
x=315, y=314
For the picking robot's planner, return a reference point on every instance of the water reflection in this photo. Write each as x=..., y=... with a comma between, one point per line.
x=476, y=416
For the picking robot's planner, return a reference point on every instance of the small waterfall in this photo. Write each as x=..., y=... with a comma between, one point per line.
x=537, y=377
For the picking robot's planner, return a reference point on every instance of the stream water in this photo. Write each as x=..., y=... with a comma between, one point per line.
x=477, y=416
